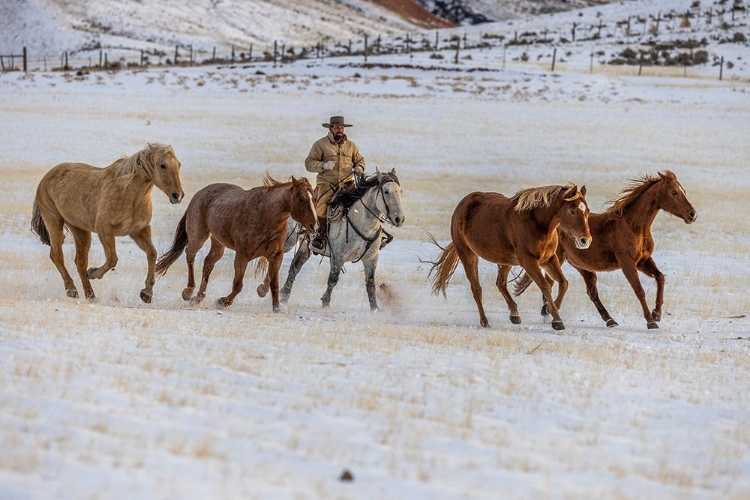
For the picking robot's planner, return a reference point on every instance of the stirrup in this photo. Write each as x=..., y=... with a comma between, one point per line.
x=387, y=238
x=318, y=245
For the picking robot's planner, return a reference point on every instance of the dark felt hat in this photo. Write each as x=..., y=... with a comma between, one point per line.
x=336, y=120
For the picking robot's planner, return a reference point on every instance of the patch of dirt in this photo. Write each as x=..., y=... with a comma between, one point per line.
x=411, y=11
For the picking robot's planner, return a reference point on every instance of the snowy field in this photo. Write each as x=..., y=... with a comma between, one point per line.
x=119, y=399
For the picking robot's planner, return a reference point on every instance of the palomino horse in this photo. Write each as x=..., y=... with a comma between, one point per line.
x=251, y=222
x=355, y=217
x=521, y=230
x=112, y=201
x=622, y=240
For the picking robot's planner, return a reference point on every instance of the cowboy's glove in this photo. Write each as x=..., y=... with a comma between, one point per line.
x=358, y=170
x=328, y=165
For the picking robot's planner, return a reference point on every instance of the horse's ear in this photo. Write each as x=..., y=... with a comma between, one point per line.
x=583, y=190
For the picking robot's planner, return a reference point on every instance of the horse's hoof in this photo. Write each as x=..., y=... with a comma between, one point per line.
x=187, y=294
x=194, y=301
x=223, y=303
x=653, y=326
x=283, y=298
x=91, y=273
x=558, y=325
x=656, y=316
x=516, y=320
x=545, y=310
x=484, y=323
x=146, y=296
x=262, y=290
x=90, y=296
x=72, y=293
x=612, y=323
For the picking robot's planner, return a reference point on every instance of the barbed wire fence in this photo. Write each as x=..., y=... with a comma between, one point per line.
x=660, y=40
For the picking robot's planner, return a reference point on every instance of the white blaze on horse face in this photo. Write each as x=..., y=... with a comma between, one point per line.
x=582, y=207
x=312, y=205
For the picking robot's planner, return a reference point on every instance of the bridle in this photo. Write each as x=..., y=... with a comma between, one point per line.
x=382, y=218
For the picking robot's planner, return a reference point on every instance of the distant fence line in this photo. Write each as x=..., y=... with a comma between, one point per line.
x=634, y=27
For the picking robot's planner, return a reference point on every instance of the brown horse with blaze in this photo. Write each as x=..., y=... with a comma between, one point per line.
x=252, y=222
x=521, y=230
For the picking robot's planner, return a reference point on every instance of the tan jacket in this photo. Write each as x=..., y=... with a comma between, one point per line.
x=346, y=155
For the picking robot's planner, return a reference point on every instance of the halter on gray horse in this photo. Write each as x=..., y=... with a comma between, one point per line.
x=355, y=229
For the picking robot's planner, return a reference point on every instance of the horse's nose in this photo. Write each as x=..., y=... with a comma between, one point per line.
x=693, y=216
x=398, y=221
x=176, y=197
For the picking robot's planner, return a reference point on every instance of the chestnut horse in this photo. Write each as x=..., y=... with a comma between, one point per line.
x=622, y=240
x=112, y=201
x=521, y=230
x=251, y=222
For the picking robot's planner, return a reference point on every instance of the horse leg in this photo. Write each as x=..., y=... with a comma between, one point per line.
x=648, y=267
x=590, y=279
x=370, y=265
x=470, y=261
x=545, y=308
x=631, y=274
x=264, y=287
x=212, y=257
x=502, y=285
x=143, y=240
x=110, y=255
x=240, y=266
x=83, y=245
x=531, y=266
x=274, y=264
x=554, y=273
x=300, y=257
x=333, y=279
x=55, y=230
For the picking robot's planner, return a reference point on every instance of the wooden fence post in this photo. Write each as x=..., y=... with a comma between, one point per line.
x=721, y=68
x=365, y=48
x=554, y=56
x=25, y=67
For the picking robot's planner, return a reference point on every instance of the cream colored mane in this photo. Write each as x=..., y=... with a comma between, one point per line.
x=531, y=198
x=142, y=163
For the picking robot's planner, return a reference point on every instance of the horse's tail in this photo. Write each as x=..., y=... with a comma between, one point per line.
x=38, y=226
x=443, y=268
x=178, y=245
x=522, y=283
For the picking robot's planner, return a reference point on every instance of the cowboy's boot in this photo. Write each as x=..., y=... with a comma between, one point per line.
x=318, y=244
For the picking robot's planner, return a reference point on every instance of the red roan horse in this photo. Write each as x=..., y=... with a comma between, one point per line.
x=251, y=222
x=622, y=240
x=521, y=230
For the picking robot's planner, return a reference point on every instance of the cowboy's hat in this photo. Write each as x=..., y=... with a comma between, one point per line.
x=336, y=120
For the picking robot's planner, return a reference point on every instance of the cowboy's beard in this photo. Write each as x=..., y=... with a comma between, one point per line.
x=339, y=137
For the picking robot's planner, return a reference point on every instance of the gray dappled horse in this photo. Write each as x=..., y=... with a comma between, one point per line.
x=355, y=215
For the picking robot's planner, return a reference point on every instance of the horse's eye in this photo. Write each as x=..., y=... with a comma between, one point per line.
x=674, y=192
x=572, y=211
x=163, y=166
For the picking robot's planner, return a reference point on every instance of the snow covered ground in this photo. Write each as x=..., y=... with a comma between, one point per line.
x=119, y=399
